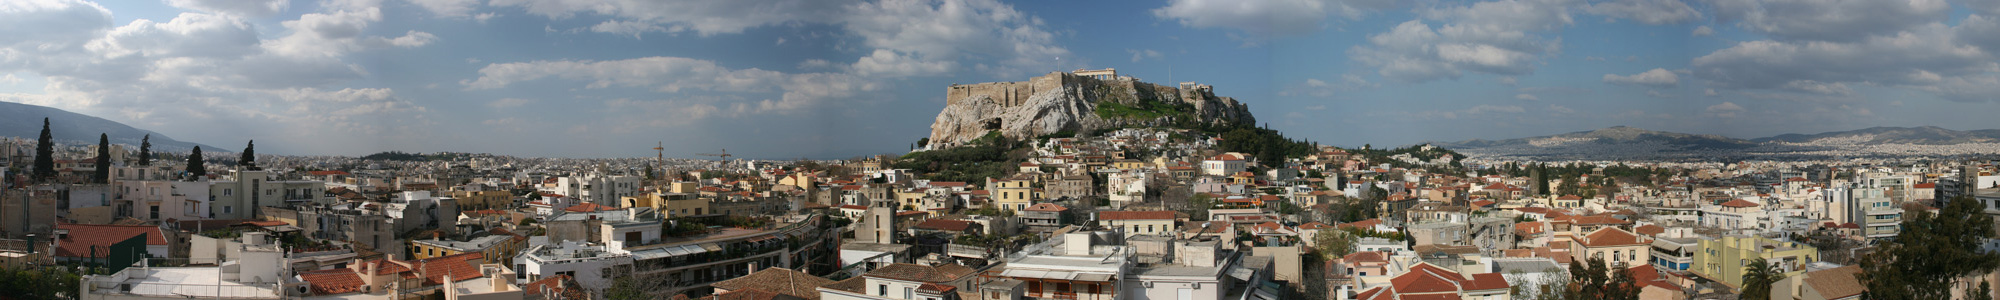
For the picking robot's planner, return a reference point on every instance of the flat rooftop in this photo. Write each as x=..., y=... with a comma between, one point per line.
x=194, y=282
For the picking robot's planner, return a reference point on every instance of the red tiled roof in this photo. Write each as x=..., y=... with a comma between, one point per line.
x=1314, y=225
x=1739, y=203
x=82, y=238
x=1135, y=215
x=1611, y=237
x=1369, y=223
x=1650, y=229
x=1482, y=203
x=332, y=282
x=1046, y=207
x=1926, y=185
x=1226, y=157
x=1528, y=228
x=459, y=266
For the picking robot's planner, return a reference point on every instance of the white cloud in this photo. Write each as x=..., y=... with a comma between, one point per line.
x=685, y=76
x=483, y=17
x=1840, y=21
x=1322, y=89
x=1726, y=110
x=1654, y=12
x=983, y=35
x=1266, y=18
x=1657, y=77
x=1922, y=58
x=1486, y=37
x=244, y=8
x=1528, y=97
x=448, y=8
x=1561, y=109
x=1138, y=55
x=1484, y=109
x=1985, y=7
x=1704, y=30
x=633, y=29
x=891, y=64
x=1708, y=92
x=509, y=102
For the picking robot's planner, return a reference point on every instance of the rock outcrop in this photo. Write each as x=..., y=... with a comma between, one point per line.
x=1065, y=101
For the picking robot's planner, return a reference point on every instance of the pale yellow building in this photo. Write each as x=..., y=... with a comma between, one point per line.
x=1722, y=259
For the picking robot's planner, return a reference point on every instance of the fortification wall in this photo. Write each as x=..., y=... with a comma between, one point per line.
x=1008, y=94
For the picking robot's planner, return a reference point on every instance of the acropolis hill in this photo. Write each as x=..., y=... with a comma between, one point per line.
x=1077, y=101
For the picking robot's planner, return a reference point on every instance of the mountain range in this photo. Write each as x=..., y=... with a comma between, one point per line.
x=25, y=121
x=1621, y=142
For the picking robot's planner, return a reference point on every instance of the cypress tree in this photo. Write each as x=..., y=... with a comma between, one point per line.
x=249, y=159
x=103, y=159
x=146, y=150
x=195, y=168
x=45, y=162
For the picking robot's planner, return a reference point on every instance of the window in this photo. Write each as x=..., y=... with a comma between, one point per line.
x=907, y=293
x=228, y=210
x=883, y=290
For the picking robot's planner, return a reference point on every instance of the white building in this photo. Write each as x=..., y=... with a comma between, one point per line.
x=1224, y=164
x=600, y=189
x=261, y=272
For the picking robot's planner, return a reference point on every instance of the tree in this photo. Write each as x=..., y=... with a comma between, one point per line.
x=1758, y=277
x=103, y=173
x=146, y=150
x=249, y=159
x=1595, y=280
x=1334, y=243
x=195, y=169
x=1930, y=253
x=45, y=151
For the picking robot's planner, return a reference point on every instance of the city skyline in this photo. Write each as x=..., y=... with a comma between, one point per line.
x=834, y=79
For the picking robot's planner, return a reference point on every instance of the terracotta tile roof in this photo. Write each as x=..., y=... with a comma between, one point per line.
x=777, y=280
x=332, y=282
x=82, y=238
x=1650, y=229
x=1645, y=274
x=1926, y=185
x=946, y=225
x=1836, y=282
x=1369, y=223
x=1366, y=257
x=1482, y=203
x=1611, y=237
x=385, y=267
x=555, y=284
x=1046, y=207
x=1528, y=228
x=459, y=266
x=749, y=294
x=851, y=285
x=1739, y=203
x=1592, y=220
x=1226, y=157
x=1486, y=281
x=1314, y=225
x=1135, y=215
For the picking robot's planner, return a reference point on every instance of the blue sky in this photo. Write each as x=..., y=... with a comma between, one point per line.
x=840, y=78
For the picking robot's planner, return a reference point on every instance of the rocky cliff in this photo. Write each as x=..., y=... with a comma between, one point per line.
x=1064, y=101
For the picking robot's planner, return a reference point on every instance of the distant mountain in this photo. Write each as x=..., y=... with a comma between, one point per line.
x=1927, y=135
x=1614, y=136
x=25, y=121
x=1622, y=143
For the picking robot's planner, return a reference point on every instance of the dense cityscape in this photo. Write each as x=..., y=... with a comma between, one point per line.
x=999, y=149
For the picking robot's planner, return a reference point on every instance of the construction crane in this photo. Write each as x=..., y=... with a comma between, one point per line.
x=724, y=155
x=662, y=148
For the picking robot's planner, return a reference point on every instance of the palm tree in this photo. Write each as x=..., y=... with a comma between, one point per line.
x=1758, y=277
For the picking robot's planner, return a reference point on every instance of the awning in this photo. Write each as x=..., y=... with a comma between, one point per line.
x=1093, y=277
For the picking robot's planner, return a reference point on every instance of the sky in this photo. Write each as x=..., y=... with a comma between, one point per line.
x=786, y=79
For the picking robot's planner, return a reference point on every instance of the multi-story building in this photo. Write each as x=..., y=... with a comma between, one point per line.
x=480, y=196
x=1870, y=208
x=1140, y=222
x=418, y=210
x=1224, y=164
x=362, y=224
x=1733, y=214
x=260, y=272
x=1674, y=253
x=1015, y=192
x=239, y=195
x=1723, y=258
x=596, y=188
x=684, y=264
x=1427, y=281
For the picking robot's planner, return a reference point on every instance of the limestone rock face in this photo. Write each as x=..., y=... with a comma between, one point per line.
x=1058, y=102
